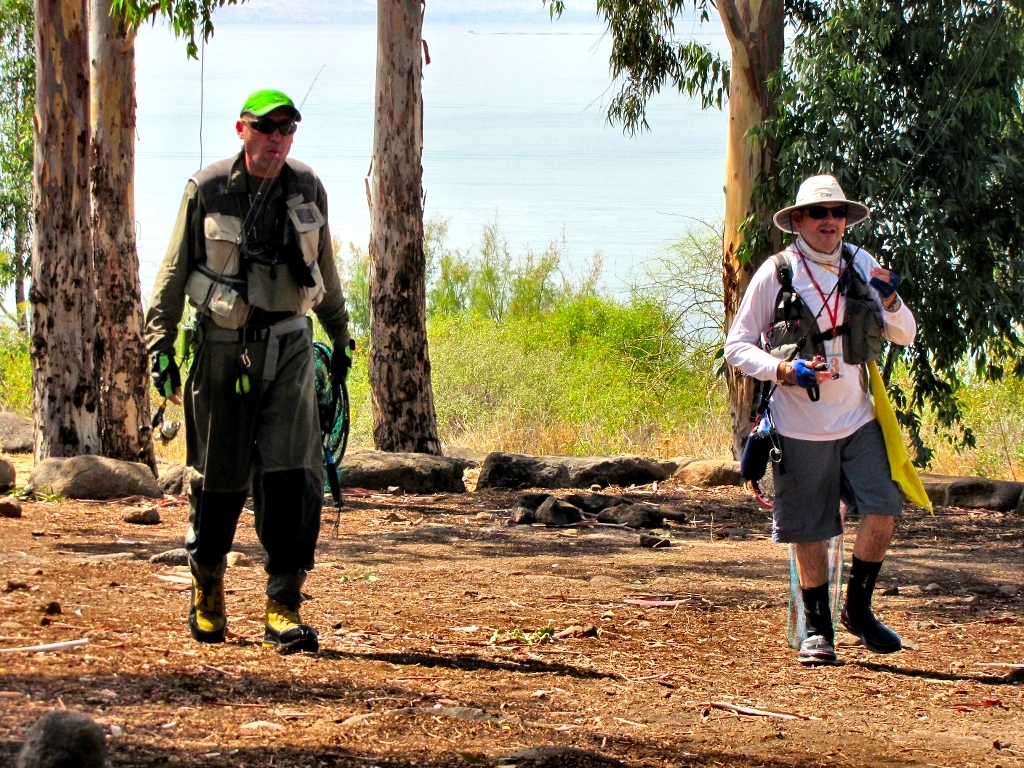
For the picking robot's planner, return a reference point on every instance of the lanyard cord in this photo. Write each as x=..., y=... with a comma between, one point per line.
x=833, y=316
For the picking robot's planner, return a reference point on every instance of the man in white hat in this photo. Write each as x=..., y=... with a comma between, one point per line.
x=811, y=318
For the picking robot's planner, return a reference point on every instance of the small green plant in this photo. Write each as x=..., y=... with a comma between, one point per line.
x=517, y=635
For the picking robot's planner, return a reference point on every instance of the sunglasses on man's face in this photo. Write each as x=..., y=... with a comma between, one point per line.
x=267, y=126
x=820, y=212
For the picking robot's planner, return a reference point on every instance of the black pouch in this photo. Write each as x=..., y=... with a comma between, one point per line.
x=862, y=342
x=756, y=452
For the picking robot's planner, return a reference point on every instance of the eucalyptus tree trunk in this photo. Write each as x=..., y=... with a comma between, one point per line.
x=122, y=372
x=63, y=294
x=755, y=32
x=20, y=237
x=403, y=399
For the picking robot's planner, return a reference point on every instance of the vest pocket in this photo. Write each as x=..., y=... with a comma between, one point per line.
x=221, y=301
x=273, y=294
x=223, y=234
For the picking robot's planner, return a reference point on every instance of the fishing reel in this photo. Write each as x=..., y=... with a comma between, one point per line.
x=164, y=431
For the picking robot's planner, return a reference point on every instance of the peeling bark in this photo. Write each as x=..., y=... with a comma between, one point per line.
x=755, y=32
x=122, y=371
x=62, y=294
x=404, y=419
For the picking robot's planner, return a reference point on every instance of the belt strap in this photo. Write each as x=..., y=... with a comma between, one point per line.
x=271, y=334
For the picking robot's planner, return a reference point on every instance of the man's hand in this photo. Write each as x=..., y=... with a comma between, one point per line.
x=341, y=361
x=166, y=376
x=886, y=283
x=802, y=374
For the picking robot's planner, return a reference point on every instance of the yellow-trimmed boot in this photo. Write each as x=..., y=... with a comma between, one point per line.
x=286, y=632
x=206, y=616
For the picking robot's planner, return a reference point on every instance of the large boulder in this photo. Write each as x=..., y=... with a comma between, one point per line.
x=511, y=470
x=16, y=433
x=556, y=512
x=93, y=477
x=412, y=472
x=972, y=492
x=710, y=473
x=8, y=475
x=175, y=479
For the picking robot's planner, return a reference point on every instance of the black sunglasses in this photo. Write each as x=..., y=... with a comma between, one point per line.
x=267, y=126
x=820, y=212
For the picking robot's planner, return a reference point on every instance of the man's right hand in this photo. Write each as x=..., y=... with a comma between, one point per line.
x=802, y=373
x=166, y=376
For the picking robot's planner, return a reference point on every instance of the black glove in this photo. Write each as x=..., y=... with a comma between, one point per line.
x=341, y=361
x=166, y=376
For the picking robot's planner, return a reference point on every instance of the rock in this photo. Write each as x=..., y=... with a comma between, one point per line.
x=892, y=591
x=674, y=514
x=933, y=587
x=1008, y=589
x=471, y=456
x=510, y=470
x=93, y=477
x=560, y=757
x=632, y=515
x=8, y=475
x=522, y=516
x=238, y=560
x=142, y=516
x=973, y=492
x=603, y=580
x=1019, y=511
x=10, y=507
x=51, y=608
x=64, y=738
x=593, y=503
x=654, y=542
x=414, y=472
x=16, y=433
x=113, y=557
x=15, y=584
x=710, y=473
x=174, y=480
x=532, y=500
x=554, y=511
x=171, y=557
x=262, y=725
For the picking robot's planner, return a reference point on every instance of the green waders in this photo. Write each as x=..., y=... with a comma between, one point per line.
x=265, y=440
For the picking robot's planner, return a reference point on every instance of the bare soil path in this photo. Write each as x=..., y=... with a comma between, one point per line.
x=409, y=595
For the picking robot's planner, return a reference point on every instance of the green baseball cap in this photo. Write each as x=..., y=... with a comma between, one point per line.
x=266, y=101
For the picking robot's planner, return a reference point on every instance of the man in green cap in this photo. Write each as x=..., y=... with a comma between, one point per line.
x=251, y=251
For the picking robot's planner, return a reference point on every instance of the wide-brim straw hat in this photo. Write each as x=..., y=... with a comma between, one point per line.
x=815, y=191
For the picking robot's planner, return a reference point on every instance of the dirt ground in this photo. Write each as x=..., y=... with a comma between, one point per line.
x=408, y=596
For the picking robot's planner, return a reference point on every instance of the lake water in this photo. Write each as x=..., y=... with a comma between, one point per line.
x=514, y=132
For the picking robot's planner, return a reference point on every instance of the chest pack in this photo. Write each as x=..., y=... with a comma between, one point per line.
x=270, y=265
x=795, y=332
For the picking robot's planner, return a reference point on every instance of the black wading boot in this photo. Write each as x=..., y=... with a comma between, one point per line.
x=857, y=616
x=819, y=646
x=286, y=632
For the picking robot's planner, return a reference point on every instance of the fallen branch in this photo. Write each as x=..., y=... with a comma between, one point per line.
x=657, y=603
x=751, y=712
x=47, y=647
x=998, y=664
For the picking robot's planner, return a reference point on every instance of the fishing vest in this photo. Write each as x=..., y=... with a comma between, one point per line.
x=795, y=332
x=232, y=279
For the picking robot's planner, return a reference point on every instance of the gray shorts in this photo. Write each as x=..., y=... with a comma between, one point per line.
x=814, y=475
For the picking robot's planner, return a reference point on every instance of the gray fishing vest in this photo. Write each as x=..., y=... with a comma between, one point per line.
x=795, y=332
x=227, y=283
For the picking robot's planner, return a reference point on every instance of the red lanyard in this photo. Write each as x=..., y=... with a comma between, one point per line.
x=833, y=314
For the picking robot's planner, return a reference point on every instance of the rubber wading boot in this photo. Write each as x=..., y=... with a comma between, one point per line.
x=286, y=632
x=206, y=616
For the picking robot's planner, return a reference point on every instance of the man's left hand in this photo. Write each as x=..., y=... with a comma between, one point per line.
x=341, y=361
x=886, y=283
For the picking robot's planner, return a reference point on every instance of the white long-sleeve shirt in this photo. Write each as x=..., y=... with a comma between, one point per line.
x=845, y=405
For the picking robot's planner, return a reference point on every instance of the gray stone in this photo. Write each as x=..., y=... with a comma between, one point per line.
x=1009, y=590
x=973, y=492
x=175, y=479
x=413, y=472
x=532, y=500
x=603, y=580
x=632, y=515
x=592, y=503
x=556, y=512
x=10, y=507
x=510, y=470
x=64, y=738
x=171, y=557
x=238, y=560
x=522, y=516
x=562, y=757
x=16, y=433
x=8, y=475
x=113, y=557
x=142, y=516
x=1019, y=511
x=93, y=477
x=710, y=473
